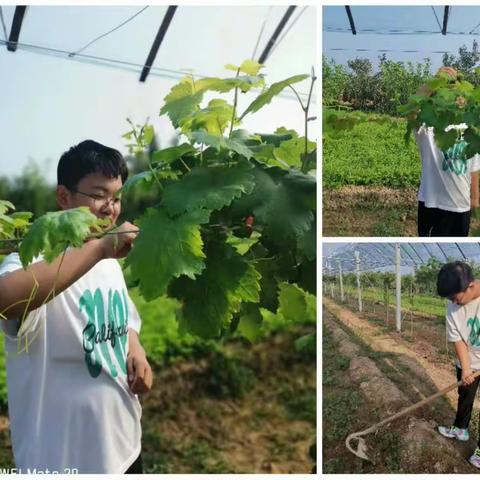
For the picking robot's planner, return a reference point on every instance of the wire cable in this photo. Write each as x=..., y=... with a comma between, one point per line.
x=438, y=21
x=287, y=30
x=261, y=31
x=119, y=64
x=3, y=24
x=393, y=31
x=473, y=29
x=386, y=50
x=109, y=32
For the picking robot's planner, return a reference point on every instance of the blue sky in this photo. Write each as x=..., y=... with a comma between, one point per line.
x=49, y=103
x=462, y=20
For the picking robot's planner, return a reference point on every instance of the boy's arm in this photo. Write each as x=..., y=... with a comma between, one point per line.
x=140, y=377
x=461, y=350
x=474, y=193
x=17, y=286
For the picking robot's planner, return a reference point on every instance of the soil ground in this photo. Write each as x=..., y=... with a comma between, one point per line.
x=372, y=372
x=212, y=415
x=366, y=211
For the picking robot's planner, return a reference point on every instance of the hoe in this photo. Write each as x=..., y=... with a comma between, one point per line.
x=361, y=450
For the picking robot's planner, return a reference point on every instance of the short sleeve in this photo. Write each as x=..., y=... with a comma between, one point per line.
x=134, y=320
x=11, y=326
x=453, y=334
x=475, y=163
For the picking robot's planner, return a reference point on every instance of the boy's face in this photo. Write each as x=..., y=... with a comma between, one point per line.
x=95, y=191
x=462, y=298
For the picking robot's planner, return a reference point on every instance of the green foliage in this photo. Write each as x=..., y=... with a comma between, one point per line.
x=29, y=191
x=209, y=188
x=210, y=301
x=446, y=101
x=371, y=154
x=142, y=135
x=53, y=232
x=220, y=142
x=275, y=89
x=464, y=62
x=360, y=88
x=14, y=224
x=334, y=81
x=165, y=249
x=222, y=203
x=228, y=377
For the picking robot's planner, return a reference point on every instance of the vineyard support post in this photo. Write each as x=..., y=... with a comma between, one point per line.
x=342, y=293
x=398, y=288
x=359, y=290
x=332, y=283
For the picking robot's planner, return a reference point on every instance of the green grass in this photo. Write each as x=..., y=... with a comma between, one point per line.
x=371, y=154
x=300, y=404
x=429, y=305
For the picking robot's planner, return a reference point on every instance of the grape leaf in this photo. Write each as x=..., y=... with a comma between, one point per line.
x=21, y=220
x=165, y=249
x=146, y=179
x=282, y=202
x=5, y=205
x=210, y=301
x=250, y=67
x=276, y=138
x=286, y=212
x=182, y=100
x=53, y=232
x=250, y=324
x=307, y=243
x=169, y=155
x=208, y=187
x=295, y=304
x=214, y=118
x=224, y=85
x=219, y=142
x=290, y=151
x=243, y=245
x=148, y=134
x=274, y=89
x=7, y=225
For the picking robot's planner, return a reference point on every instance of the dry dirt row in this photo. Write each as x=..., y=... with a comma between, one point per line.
x=421, y=448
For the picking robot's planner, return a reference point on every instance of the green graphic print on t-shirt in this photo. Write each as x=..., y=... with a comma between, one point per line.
x=454, y=159
x=474, y=337
x=98, y=333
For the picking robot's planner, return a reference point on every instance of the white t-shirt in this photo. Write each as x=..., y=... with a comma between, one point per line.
x=69, y=402
x=463, y=323
x=445, y=181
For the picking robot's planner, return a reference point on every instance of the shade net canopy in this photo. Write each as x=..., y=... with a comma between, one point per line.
x=382, y=256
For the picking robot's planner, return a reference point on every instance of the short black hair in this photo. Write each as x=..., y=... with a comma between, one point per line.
x=90, y=157
x=453, y=278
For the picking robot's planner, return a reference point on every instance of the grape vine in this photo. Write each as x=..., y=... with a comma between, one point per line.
x=233, y=232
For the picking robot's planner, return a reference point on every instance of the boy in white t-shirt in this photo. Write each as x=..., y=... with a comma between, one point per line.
x=455, y=281
x=449, y=183
x=72, y=394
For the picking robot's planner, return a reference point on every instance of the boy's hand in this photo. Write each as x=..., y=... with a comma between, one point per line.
x=139, y=372
x=467, y=377
x=118, y=245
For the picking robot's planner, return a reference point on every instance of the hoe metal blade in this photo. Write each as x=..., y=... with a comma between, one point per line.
x=361, y=450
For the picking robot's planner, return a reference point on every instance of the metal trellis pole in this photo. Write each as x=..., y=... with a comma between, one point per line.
x=359, y=290
x=332, y=283
x=342, y=293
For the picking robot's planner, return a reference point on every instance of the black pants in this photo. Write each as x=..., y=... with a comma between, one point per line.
x=466, y=397
x=136, y=466
x=434, y=222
